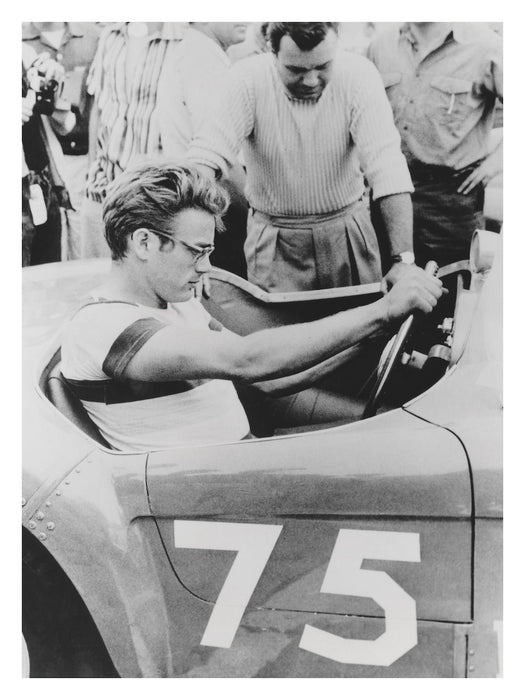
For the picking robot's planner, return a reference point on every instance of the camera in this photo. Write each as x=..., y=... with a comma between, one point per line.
x=46, y=92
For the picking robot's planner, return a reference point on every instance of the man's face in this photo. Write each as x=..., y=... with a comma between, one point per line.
x=305, y=74
x=229, y=33
x=173, y=272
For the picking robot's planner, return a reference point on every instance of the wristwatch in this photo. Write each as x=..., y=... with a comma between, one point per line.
x=406, y=257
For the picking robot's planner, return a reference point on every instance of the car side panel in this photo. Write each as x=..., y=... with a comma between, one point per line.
x=94, y=522
x=391, y=465
x=292, y=578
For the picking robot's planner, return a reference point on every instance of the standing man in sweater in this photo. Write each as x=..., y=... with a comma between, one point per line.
x=310, y=120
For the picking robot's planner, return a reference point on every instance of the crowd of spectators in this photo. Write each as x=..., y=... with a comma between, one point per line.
x=323, y=192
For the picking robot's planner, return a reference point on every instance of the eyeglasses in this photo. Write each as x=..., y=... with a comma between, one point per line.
x=199, y=252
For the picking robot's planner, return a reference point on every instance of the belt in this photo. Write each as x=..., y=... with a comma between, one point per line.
x=292, y=221
x=431, y=172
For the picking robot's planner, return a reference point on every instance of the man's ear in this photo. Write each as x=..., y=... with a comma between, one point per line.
x=141, y=242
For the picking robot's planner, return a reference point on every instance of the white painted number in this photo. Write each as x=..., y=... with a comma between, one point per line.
x=345, y=576
x=254, y=544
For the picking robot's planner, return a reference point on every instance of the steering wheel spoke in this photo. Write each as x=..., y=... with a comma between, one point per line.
x=391, y=358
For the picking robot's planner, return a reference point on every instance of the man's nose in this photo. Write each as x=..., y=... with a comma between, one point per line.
x=311, y=79
x=203, y=265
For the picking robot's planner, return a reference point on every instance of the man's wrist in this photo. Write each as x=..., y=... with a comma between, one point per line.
x=407, y=257
x=382, y=320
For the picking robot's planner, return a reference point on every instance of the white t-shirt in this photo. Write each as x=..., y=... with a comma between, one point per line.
x=97, y=345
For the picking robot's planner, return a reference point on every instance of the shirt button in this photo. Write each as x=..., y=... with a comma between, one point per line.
x=73, y=144
x=405, y=128
x=59, y=56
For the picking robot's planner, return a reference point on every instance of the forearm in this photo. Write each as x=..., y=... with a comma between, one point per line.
x=397, y=216
x=302, y=380
x=301, y=354
x=495, y=157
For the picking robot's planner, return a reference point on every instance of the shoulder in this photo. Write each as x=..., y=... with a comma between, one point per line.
x=477, y=33
x=386, y=39
x=101, y=315
x=352, y=70
x=253, y=68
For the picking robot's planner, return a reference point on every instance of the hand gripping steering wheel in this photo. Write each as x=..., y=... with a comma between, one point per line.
x=386, y=364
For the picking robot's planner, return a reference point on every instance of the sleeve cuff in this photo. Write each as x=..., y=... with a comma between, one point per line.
x=127, y=345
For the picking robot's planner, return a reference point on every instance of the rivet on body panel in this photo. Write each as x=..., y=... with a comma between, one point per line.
x=66, y=483
x=58, y=493
x=471, y=668
x=42, y=536
x=50, y=526
x=472, y=652
x=48, y=504
x=39, y=515
x=32, y=525
x=23, y=502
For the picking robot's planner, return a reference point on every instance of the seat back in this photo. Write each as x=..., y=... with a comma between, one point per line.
x=64, y=400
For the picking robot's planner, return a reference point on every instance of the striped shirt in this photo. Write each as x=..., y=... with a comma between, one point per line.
x=444, y=104
x=127, y=99
x=305, y=157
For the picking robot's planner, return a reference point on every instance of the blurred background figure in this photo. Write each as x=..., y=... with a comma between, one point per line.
x=43, y=189
x=443, y=80
x=255, y=42
x=356, y=36
x=72, y=45
x=124, y=125
x=189, y=89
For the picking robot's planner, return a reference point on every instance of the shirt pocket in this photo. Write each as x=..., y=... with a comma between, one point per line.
x=450, y=99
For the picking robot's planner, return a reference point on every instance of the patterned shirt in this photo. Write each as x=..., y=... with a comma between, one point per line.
x=128, y=123
x=305, y=157
x=444, y=104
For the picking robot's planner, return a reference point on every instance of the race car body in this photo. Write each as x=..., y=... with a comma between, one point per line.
x=368, y=548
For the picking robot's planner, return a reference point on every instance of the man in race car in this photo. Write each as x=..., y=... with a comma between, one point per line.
x=151, y=366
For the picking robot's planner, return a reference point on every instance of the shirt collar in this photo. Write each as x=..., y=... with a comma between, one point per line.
x=168, y=30
x=460, y=32
x=457, y=32
x=173, y=30
x=31, y=31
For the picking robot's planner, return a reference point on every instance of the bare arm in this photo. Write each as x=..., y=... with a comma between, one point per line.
x=277, y=352
x=491, y=166
x=396, y=212
x=302, y=380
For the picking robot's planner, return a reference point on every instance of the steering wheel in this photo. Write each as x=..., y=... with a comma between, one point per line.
x=388, y=362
